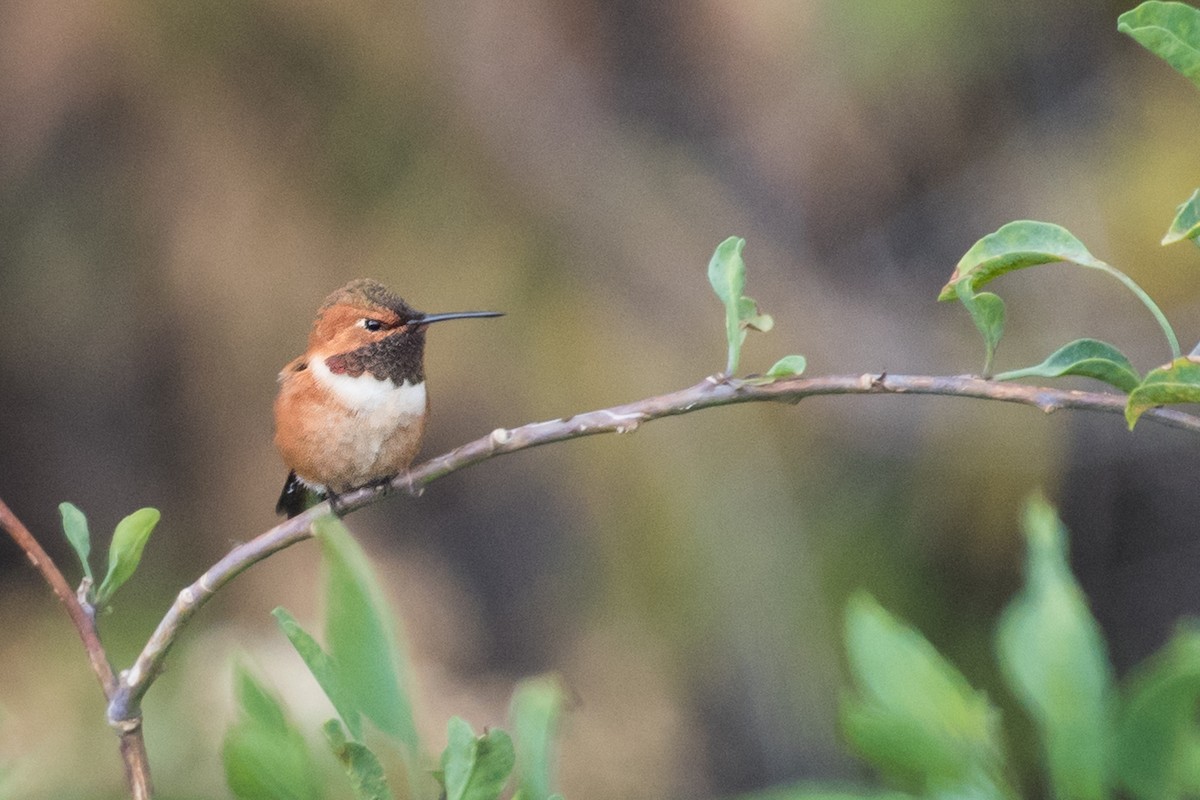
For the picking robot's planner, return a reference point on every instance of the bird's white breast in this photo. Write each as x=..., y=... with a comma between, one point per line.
x=368, y=395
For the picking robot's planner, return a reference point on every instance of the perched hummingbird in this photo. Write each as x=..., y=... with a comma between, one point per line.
x=351, y=410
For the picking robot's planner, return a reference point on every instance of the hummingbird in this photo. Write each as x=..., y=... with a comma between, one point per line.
x=351, y=411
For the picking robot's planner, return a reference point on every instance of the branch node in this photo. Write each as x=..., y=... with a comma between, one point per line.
x=133, y=675
x=204, y=584
x=83, y=595
x=126, y=726
x=501, y=437
x=413, y=488
x=625, y=423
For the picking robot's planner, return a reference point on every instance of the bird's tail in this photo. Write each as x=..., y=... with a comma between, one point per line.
x=296, y=497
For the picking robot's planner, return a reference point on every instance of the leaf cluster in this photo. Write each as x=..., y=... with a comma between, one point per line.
x=930, y=734
x=363, y=675
x=1171, y=31
x=124, y=551
x=727, y=275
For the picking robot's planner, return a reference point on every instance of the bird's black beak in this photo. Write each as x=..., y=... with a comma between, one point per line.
x=431, y=318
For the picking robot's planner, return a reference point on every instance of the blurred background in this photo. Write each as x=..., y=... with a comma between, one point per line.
x=182, y=184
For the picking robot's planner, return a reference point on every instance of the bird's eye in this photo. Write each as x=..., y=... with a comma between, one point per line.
x=372, y=324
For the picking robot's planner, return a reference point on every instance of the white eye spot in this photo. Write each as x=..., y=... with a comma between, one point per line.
x=371, y=324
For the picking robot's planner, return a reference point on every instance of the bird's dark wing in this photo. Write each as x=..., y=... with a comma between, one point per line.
x=296, y=497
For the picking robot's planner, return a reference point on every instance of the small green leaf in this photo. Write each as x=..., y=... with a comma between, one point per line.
x=75, y=526
x=1186, y=224
x=1053, y=657
x=475, y=767
x=1088, y=358
x=787, y=367
x=987, y=312
x=1169, y=30
x=536, y=708
x=749, y=317
x=1177, y=382
x=727, y=271
x=727, y=274
x=265, y=757
x=1158, y=751
x=125, y=551
x=322, y=668
x=1019, y=245
x=916, y=718
x=359, y=634
x=362, y=766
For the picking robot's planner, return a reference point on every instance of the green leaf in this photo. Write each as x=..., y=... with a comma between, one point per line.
x=359, y=634
x=1014, y=246
x=787, y=367
x=475, y=767
x=987, y=312
x=322, y=668
x=125, y=552
x=536, y=707
x=362, y=766
x=75, y=526
x=1169, y=30
x=1177, y=382
x=1158, y=752
x=1186, y=224
x=916, y=718
x=727, y=274
x=749, y=317
x=1053, y=657
x=265, y=756
x=1087, y=358
x=1019, y=245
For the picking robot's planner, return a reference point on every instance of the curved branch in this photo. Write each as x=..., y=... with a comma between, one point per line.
x=133, y=745
x=713, y=391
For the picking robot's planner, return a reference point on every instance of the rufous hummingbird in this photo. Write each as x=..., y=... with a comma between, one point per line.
x=351, y=410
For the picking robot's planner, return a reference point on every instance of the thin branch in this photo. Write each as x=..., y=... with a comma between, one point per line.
x=133, y=745
x=125, y=703
x=137, y=764
x=714, y=391
x=84, y=622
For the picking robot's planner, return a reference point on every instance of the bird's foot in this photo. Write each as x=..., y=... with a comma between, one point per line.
x=336, y=506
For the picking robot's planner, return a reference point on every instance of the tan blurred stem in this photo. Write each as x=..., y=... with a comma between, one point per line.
x=713, y=391
x=133, y=745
